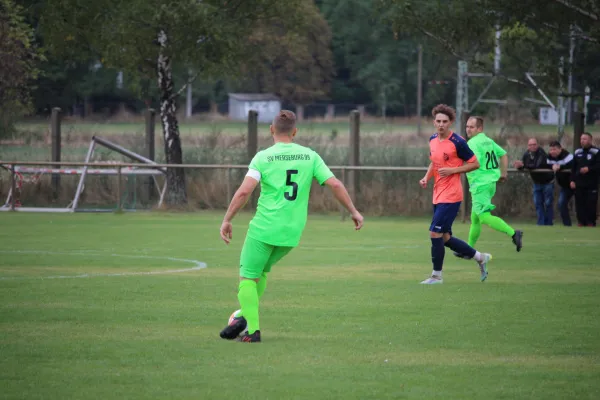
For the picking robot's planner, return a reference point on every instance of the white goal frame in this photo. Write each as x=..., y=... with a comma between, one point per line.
x=83, y=172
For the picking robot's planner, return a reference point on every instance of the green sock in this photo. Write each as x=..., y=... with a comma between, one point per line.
x=248, y=298
x=261, y=285
x=496, y=223
x=475, y=230
x=260, y=290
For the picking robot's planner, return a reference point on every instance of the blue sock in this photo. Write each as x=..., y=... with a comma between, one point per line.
x=460, y=247
x=437, y=253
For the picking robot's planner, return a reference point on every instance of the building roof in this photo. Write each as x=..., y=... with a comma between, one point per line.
x=253, y=96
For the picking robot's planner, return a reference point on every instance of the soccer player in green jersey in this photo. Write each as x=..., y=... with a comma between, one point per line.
x=285, y=172
x=493, y=165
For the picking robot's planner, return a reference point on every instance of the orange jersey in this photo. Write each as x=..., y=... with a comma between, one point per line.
x=451, y=152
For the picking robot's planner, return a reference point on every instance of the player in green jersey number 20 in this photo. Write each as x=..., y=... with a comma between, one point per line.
x=482, y=184
x=285, y=172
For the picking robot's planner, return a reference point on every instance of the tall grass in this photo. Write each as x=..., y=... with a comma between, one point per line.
x=379, y=192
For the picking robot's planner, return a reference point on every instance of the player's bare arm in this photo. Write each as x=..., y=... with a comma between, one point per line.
x=503, y=168
x=427, y=177
x=341, y=195
x=467, y=167
x=239, y=200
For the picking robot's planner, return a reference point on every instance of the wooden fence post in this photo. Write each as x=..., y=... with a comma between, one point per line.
x=252, y=146
x=578, y=128
x=55, y=122
x=466, y=203
x=119, y=189
x=330, y=112
x=252, y=133
x=13, y=187
x=299, y=112
x=150, y=146
x=354, y=151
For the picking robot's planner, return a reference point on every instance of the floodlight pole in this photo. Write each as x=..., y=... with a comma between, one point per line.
x=570, y=103
x=586, y=100
x=497, y=51
x=419, y=87
x=188, y=96
x=462, y=94
x=561, y=100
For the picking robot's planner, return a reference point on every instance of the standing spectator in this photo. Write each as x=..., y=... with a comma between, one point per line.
x=562, y=164
x=543, y=182
x=584, y=180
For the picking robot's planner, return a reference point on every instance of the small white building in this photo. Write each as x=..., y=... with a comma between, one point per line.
x=266, y=104
x=549, y=116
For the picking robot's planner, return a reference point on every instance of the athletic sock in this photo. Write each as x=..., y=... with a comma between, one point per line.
x=478, y=256
x=460, y=247
x=261, y=286
x=248, y=298
x=437, y=253
x=474, y=230
x=496, y=223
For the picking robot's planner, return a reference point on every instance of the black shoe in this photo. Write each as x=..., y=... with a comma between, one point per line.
x=254, y=338
x=232, y=330
x=461, y=256
x=517, y=239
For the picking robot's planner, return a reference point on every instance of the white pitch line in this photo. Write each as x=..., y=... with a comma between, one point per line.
x=197, y=264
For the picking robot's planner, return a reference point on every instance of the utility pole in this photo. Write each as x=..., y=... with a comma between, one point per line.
x=570, y=102
x=586, y=100
x=383, y=101
x=497, y=51
x=419, y=88
x=462, y=95
x=561, y=100
x=188, y=100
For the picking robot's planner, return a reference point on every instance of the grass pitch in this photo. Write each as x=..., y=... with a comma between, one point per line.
x=118, y=306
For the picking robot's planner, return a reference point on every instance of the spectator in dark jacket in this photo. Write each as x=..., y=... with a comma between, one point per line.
x=562, y=163
x=543, y=182
x=584, y=180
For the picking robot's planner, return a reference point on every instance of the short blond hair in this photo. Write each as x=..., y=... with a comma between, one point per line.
x=478, y=121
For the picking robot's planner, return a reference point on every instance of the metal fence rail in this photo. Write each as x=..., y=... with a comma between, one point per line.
x=211, y=166
x=121, y=168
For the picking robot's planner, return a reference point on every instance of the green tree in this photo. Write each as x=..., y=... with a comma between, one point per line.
x=375, y=64
x=366, y=53
x=535, y=33
x=298, y=68
x=150, y=38
x=18, y=58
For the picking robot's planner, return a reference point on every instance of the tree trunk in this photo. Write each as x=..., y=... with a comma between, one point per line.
x=176, y=193
x=405, y=85
x=87, y=107
x=214, y=108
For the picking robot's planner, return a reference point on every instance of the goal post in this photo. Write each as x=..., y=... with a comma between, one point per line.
x=20, y=172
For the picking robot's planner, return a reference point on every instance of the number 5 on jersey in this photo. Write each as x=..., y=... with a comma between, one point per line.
x=294, y=185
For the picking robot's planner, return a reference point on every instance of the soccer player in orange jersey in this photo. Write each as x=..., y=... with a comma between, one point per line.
x=450, y=156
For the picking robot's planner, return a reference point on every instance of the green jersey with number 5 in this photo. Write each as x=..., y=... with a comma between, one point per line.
x=488, y=153
x=285, y=172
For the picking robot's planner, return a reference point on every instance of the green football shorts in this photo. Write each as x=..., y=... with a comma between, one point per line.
x=482, y=199
x=258, y=257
